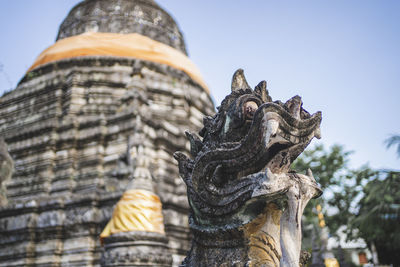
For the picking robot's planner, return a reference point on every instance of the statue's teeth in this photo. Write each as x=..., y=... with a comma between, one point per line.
x=269, y=173
x=317, y=133
x=272, y=127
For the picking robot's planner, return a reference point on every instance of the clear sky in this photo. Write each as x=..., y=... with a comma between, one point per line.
x=342, y=57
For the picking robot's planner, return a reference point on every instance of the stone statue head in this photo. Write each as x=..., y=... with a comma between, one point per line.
x=241, y=160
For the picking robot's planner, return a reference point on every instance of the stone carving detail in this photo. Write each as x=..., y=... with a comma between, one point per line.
x=246, y=203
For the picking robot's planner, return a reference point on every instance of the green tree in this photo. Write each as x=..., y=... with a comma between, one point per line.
x=340, y=184
x=366, y=201
x=378, y=218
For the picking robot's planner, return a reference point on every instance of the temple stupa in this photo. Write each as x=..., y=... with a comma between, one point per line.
x=108, y=103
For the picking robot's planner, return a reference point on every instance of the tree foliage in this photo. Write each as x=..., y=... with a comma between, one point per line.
x=366, y=201
x=330, y=169
x=378, y=218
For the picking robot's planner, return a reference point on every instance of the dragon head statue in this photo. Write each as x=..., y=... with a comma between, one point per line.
x=242, y=193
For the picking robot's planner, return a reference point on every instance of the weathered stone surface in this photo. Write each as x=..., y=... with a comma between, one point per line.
x=136, y=249
x=245, y=202
x=123, y=16
x=73, y=128
x=6, y=169
x=71, y=147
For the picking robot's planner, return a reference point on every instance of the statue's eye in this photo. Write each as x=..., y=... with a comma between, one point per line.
x=249, y=108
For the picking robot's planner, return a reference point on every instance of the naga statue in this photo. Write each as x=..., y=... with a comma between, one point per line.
x=246, y=204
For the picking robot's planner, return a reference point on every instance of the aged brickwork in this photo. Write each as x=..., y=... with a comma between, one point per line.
x=73, y=128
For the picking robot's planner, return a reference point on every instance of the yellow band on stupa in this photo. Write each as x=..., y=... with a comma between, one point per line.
x=122, y=45
x=137, y=210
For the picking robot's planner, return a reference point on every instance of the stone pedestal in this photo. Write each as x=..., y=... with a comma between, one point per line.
x=136, y=249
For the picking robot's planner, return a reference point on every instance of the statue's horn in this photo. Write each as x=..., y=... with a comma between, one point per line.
x=239, y=81
x=261, y=89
